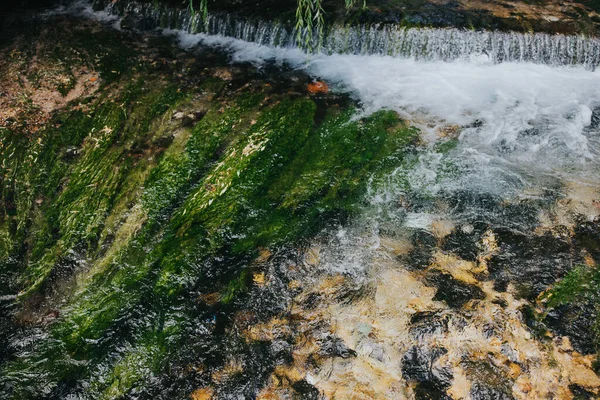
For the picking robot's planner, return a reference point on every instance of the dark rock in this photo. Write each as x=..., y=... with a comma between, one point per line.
x=587, y=236
x=306, y=390
x=70, y=153
x=426, y=391
x=454, y=292
x=419, y=365
x=501, y=302
x=575, y=321
x=489, y=380
x=501, y=283
x=311, y=301
x=424, y=243
x=425, y=324
x=595, y=121
x=580, y=393
x=532, y=262
x=335, y=347
x=280, y=349
x=187, y=121
x=492, y=211
x=464, y=242
x=532, y=321
x=484, y=392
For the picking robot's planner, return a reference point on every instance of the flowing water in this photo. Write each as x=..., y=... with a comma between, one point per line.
x=524, y=155
x=381, y=39
x=517, y=105
x=421, y=293
x=514, y=126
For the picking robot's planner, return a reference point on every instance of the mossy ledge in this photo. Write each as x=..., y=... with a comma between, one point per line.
x=132, y=221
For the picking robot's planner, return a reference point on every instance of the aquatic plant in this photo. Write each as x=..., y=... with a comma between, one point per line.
x=144, y=212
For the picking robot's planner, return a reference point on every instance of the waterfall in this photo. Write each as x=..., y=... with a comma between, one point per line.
x=431, y=44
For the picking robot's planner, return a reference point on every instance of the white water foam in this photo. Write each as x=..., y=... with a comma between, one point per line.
x=83, y=8
x=433, y=44
x=518, y=121
x=532, y=115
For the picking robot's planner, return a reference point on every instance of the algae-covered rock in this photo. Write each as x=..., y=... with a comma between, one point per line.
x=144, y=232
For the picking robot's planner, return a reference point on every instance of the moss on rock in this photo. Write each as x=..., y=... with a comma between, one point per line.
x=145, y=211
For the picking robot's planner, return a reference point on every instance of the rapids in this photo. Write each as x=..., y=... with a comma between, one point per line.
x=517, y=105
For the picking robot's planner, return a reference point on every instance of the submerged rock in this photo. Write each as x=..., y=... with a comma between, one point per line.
x=578, y=322
x=482, y=392
x=533, y=262
x=454, y=292
x=419, y=365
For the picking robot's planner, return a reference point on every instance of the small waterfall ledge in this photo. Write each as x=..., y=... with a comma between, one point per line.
x=429, y=44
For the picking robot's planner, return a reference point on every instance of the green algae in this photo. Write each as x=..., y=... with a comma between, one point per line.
x=182, y=164
x=105, y=52
x=162, y=214
x=146, y=212
x=74, y=217
x=6, y=241
x=250, y=179
x=236, y=286
x=578, y=289
x=137, y=365
x=581, y=283
x=446, y=145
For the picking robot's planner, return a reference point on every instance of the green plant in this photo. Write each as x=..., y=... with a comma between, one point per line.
x=202, y=11
x=307, y=13
x=310, y=18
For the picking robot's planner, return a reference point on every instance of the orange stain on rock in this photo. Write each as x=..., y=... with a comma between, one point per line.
x=318, y=87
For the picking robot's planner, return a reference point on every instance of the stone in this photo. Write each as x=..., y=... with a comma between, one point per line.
x=575, y=321
x=454, y=292
x=318, y=87
x=419, y=365
x=332, y=346
x=484, y=392
x=203, y=394
x=425, y=324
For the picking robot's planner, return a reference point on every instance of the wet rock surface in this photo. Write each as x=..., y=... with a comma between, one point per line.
x=534, y=263
x=454, y=292
x=577, y=322
x=587, y=236
x=197, y=284
x=482, y=392
x=419, y=365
